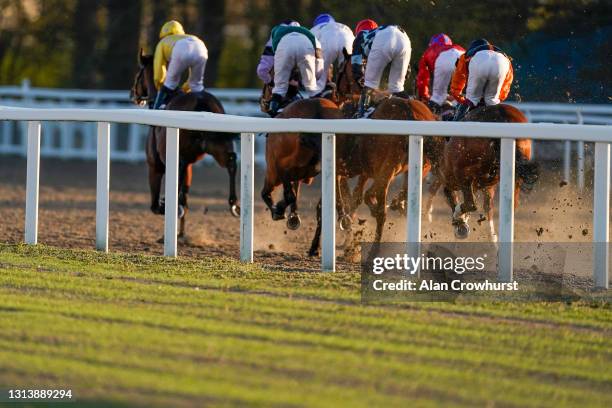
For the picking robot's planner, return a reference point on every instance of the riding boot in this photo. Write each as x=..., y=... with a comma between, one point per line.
x=401, y=94
x=275, y=104
x=434, y=107
x=461, y=111
x=364, y=101
x=162, y=97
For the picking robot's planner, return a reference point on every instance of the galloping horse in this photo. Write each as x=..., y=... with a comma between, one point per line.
x=193, y=145
x=377, y=157
x=294, y=158
x=471, y=164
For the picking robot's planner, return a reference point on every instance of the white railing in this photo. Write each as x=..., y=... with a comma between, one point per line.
x=76, y=140
x=507, y=132
x=127, y=143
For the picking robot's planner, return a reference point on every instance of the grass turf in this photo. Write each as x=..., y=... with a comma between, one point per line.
x=142, y=330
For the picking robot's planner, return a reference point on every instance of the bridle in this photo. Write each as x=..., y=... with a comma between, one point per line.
x=342, y=75
x=141, y=98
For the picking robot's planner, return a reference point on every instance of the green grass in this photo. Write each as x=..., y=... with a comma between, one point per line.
x=142, y=330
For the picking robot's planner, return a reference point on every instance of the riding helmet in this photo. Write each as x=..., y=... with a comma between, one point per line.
x=365, y=25
x=440, y=39
x=172, y=27
x=290, y=22
x=477, y=43
x=322, y=18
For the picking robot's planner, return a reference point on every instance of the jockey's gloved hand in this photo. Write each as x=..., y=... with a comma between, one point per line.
x=275, y=104
x=463, y=109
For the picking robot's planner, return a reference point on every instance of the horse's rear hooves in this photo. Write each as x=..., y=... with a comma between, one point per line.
x=345, y=222
x=313, y=252
x=462, y=231
x=235, y=210
x=294, y=221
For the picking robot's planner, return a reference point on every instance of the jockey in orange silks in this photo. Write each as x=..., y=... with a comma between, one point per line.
x=488, y=73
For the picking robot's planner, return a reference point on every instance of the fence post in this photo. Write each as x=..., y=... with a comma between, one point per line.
x=171, y=196
x=601, y=215
x=567, y=154
x=328, y=202
x=506, y=210
x=247, y=186
x=32, y=177
x=102, y=186
x=414, y=199
x=580, y=157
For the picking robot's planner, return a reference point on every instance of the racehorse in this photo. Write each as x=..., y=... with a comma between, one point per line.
x=293, y=158
x=379, y=158
x=193, y=145
x=472, y=164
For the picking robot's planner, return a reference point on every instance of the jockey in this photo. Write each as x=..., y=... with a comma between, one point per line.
x=176, y=52
x=489, y=80
x=294, y=46
x=438, y=63
x=380, y=46
x=334, y=37
x=266, y=62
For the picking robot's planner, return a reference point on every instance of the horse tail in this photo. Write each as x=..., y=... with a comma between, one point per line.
x=527, y=171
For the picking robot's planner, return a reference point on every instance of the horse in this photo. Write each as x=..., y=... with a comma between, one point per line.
x=293, y=158
x=193, y=145
x=472, y=164
x=377, y=157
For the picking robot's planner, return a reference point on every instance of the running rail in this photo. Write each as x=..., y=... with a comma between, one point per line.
x=507, y=132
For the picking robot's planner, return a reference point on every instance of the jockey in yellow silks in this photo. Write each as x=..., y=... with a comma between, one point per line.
x=175, y=53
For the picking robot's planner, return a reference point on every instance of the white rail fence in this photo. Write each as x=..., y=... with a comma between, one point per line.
x=507, y=132
x=76, y=140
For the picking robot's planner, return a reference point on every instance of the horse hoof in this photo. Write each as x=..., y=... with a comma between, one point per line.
x=276, y=215
x=181, y=212
x=235, y=210
x=294, y=221
x=462, y=231
x=313, y=252
x=345, y=223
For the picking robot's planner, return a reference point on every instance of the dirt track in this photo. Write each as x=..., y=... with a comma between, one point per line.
x=67, y=215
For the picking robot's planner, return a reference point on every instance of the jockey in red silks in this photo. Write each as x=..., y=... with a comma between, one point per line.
x=437, y=64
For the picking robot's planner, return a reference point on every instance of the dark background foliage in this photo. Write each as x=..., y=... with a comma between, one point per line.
x=561, y=48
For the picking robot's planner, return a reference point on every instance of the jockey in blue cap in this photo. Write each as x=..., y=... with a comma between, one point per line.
x=334, y=37
x=322, y=18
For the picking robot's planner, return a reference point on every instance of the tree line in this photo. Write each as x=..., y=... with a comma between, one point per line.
x=94, y=43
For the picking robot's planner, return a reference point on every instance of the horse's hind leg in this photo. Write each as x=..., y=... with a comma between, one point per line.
x=381, y=187
x=291, y=198
x=155, y=180
x=316, y=240
x=185, y=177
x=156, y=173
x=398, y=203
x=488, y=194
x=343, y=197
x=232, y=167
x=432, y=191
x=270, y=184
